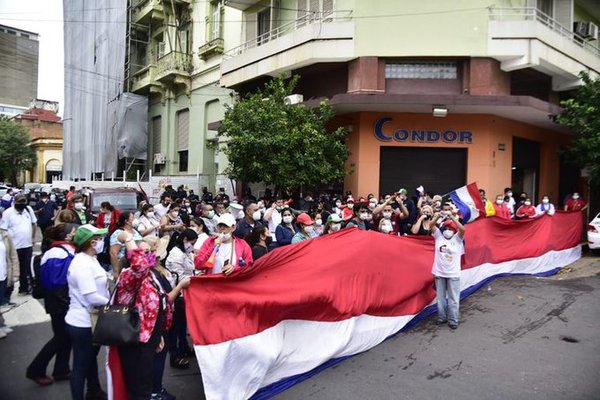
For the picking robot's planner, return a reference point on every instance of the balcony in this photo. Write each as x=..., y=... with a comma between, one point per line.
x=314, y=38
x=211, y=48
x=242, y=5
x=175, y=68
x=527, y=38
x=143, y=12
x=144, y=79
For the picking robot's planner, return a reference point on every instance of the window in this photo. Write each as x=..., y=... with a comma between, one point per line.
x=314, y=10
x=546, y=6
x=156, y=134
x=264, y=25
x=183, y=129
x=183, y=161
x=420, y=70
x=215, y=24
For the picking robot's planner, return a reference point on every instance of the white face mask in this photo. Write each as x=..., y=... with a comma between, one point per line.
x=448, y=234
x=174, y=214
x=336, y=227
x=150, y=214
x=350, y=205
x=225, y=237
x=364, y=216
x=319, y=222
x=287, y=219
x=386, y=228
x=387, y=215
x=78, y=206
x=545, y=201
x=509, y=194
x=211, y=214
x=499, y=201
x=575, y=196
x=527, y=203
x=99, y=246
x=309, y=229
x=372, y=205
x=338, y=204
x=256, y=215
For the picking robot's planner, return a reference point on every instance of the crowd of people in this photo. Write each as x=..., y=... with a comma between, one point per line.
x=149, y=257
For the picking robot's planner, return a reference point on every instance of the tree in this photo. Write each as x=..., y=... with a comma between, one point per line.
x=15, y=153
x=582, y=114
x=285, y=145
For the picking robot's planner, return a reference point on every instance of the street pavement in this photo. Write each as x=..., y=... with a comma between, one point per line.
x=519, y=338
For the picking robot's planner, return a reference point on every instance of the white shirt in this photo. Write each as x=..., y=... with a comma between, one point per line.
x=19, y=226
x=160, y=210
x=85, y=276
x=549, y=208
x=3, y=264
x=201, y=239
x=224, y=254
x=180, y=263
x=274, y=222
x=147, y=223
x=511, y=205
x=446, y=262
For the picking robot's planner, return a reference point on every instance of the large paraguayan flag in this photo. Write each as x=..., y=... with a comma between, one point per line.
x=469, y=202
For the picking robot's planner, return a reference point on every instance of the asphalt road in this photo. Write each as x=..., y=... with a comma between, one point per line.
x=521, y=338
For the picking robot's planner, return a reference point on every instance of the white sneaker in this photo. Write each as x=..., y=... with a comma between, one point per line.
x=6, y=329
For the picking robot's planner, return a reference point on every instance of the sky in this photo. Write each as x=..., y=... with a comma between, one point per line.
x=45, y=18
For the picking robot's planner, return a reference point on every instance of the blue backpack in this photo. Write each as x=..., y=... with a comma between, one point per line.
x=53, y=273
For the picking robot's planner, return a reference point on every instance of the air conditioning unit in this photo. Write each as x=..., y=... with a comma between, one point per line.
x=586, y=29
x=293, y=99
x=159, y=158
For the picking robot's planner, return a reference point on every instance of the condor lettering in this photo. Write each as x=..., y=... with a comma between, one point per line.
x=388, y=134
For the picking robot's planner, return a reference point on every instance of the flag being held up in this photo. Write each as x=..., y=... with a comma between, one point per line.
x=468, y=201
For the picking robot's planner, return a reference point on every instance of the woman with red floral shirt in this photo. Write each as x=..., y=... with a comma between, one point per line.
x=138, y=286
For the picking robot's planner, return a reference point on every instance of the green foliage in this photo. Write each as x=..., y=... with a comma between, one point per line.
x=15, y=153
x=284, y=145
x=582, y=114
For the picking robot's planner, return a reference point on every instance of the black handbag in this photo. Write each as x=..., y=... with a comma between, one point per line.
x=117, y=325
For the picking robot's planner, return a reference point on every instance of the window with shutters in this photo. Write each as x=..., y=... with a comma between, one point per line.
x=314, y=10
x=183, y=137
x=215, y=20
x=156, y=134
x=264, y=26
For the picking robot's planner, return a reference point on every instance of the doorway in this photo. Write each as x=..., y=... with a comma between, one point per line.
x=526, y=168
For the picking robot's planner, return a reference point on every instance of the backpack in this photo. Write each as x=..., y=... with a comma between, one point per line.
x=50, y=276
x=37, y=290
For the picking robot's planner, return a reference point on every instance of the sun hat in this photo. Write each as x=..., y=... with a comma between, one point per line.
x=226, y=219
x=86, y=232
x=304, y=219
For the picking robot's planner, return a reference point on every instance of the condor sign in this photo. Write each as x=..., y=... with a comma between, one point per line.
x=421, y=135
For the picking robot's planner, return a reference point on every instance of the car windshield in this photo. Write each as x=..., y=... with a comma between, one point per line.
x=122, y=201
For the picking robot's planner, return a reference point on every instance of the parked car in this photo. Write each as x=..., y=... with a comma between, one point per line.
x=594, y=234
x=125, y=199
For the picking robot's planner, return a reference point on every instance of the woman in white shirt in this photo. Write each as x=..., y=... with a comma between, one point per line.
x=148, y=224
x=180, y=262
x=87, y=282
x=198, y=226
x=545, y=207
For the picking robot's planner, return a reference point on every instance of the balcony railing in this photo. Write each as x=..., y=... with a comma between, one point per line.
x=143, y=79
x=308, y=19
x=533, y=14
x=174, y=63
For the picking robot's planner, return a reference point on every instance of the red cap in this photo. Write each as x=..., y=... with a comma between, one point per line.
x=451, y=225
x=304, y=219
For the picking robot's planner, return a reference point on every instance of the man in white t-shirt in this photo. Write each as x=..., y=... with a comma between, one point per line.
x=449, y=246
x=161, y=208
x=273, y=217
x=19, y=221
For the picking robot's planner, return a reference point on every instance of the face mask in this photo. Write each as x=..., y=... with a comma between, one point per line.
x=575, y=196
x=279, y=208
x=287, y=219
x=509, y=194
x=99, y=246
x=336, y=227
x=310, y=230
x=20, y=206
x=448, y=234
x=364, y=216
x=338, y=204
x=268, y=240
x=45, y=200
x=499, y=201
x=188, y=247
x=527, y=203
x=174, y=214
x=386, y=228
x=224, y=237
x=369, y=217
x=187, y=204
x=350, y=205
x=387, y=215
x=319, y=222
x=150, y=214
x=256, y=215
x=372, y=204
x=211, y=214
x=53, y=198
x=545, y=201
x=151, y=258
x=78, y=206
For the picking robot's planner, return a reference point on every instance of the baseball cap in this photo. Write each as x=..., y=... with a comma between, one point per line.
x=402, y=191
x=226, y=219
x=86, y=232
x=450, y=225
x=336, y=219
x=304, y=219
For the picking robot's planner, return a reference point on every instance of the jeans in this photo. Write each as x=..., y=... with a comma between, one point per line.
x=448, y=309
x=24, y=268
x=138, y=367
x=158, y=369
x=85, y=366
x=178, y=345
x=59, y=345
